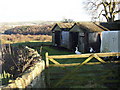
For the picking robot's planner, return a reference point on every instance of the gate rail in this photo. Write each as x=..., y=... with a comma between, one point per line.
x=89, y=56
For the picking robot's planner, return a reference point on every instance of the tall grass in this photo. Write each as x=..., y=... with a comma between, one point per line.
x=5, y=77
x=17, y=38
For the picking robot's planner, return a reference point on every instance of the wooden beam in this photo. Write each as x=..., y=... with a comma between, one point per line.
x=76, y=64
x=88, y=59
x=73, y=64
x=98, y=58
x=84, y=55
x=52, y=60
x=108, y=54
x=69, y=56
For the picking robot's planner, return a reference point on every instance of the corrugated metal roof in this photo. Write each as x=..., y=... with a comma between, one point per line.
x=90, y=26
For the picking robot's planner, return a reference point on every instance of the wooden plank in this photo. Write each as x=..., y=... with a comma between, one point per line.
x=47, y=60
x=69, y=56
x=98, y=58
x=52, y=60
x=84, y=55
x=108, y=54
x=75, y=64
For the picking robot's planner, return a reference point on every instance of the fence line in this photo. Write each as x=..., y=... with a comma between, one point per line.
x=89, y=56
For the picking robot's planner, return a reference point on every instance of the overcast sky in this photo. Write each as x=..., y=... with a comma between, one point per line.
x=47, y=10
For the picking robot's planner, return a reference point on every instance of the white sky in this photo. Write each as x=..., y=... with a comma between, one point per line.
x=48, y=10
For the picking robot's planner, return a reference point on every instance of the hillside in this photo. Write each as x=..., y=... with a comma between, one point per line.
x=9, y=26
x=31, y=29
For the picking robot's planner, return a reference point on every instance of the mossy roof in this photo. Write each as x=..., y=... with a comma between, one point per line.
x=63, y=26
x=91, y=26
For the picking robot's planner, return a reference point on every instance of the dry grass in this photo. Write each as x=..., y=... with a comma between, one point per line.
x=9, y=39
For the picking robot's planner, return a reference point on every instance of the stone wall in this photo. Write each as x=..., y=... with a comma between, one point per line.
x=28, y=76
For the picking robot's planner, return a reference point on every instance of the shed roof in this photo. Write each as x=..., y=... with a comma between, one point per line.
x=111, y=25
x=91, y=26
x=63, y=26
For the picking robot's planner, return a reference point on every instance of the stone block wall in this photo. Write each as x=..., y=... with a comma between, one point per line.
x=30, y=74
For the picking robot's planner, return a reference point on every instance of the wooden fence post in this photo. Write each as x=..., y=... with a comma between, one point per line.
x=47, y=60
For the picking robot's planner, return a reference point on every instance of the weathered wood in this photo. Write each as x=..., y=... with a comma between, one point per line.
x=84, y=55
x=54, y=61
x=47, y=61
x=76, y=64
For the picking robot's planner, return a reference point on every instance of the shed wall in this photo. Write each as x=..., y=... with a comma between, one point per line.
x=95, y=41
x=65, y=39
x=76, y=29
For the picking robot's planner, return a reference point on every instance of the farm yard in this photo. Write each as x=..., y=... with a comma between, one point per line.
x=66, y=39
x=60, y=44
x=85, y=76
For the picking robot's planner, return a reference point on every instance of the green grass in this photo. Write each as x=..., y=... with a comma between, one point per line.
x=86, y=76
x=32, y=44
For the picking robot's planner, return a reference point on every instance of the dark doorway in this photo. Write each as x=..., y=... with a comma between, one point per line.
x=74, y=40
x=57, y=37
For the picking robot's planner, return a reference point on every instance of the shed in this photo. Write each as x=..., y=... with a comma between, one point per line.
x=110, y=41
x=85, y=35
x=60, y=34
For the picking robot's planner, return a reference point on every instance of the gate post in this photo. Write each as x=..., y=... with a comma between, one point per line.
x=47, y=60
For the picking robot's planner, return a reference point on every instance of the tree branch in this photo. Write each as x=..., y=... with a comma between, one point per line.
x=116, y=12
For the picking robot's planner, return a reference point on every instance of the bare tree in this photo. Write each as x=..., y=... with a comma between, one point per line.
x=67, y=20
x=106, y=8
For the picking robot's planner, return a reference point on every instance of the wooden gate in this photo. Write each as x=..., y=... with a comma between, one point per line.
x=88, y=56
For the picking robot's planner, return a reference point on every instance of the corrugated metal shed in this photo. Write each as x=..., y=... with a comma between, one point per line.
x=110, y=41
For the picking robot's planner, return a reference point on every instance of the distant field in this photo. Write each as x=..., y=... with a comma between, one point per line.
x=10, y=39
